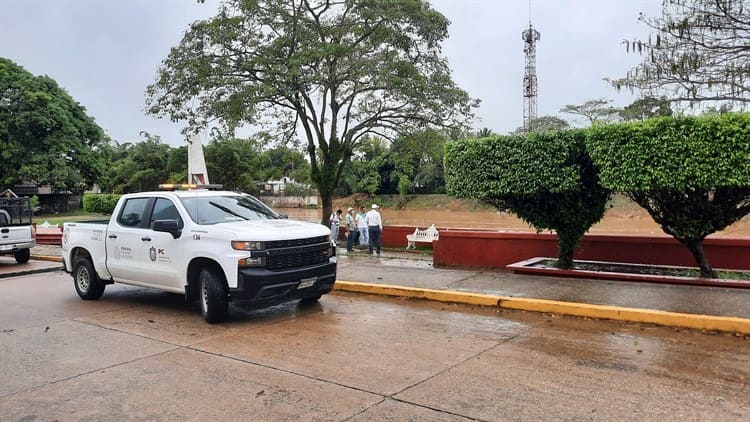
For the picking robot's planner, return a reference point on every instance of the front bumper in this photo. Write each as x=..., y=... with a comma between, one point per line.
x=258, y=287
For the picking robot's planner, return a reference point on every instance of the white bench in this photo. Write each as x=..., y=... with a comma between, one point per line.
x=424, y=236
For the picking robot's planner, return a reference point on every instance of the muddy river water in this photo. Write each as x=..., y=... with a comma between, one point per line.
x=614, y=222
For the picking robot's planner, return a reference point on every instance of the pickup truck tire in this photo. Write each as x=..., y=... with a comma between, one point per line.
x=213, y=296
x=88, y=285
x=22, y=256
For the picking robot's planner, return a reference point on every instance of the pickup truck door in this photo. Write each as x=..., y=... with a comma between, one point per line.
x=126, y=252
x=162, y=265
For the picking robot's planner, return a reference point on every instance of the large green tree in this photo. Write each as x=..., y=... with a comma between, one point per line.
x=334, y=71
x=594, y=111
x=697, y=51
x=45, y=136
x=692, y=174
x=234, y=163
x=139, y=166
x=547, y=179
x=543, y=124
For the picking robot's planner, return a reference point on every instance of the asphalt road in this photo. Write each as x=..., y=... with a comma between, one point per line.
x=143, y=355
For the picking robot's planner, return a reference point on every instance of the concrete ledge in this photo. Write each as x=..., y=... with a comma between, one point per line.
x=47, y=258
x=669, y=319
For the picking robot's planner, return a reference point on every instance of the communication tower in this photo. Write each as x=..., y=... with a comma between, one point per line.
x=529, y=36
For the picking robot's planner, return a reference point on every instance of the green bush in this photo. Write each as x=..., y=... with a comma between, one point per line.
x=101, y=203
x=547, y=179
x=692, y=174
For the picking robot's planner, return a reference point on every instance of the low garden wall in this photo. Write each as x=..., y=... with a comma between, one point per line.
x=477, y=248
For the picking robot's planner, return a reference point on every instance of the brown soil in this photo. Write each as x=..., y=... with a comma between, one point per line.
x=623, y=216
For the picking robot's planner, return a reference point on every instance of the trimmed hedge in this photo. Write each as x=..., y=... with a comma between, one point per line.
x=692, y=174
x=547, y=179
x=100, y=203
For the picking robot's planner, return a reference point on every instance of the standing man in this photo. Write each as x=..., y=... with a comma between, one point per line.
x=374, y=227
x=364, y=239
x=335, y=220
x=351, y=228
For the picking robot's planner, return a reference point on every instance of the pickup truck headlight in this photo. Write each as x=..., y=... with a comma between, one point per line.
x=247, y=246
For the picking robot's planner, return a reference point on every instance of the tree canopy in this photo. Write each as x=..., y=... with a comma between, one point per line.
x=697, y=51
x=45, y=136
x=692, y=174
x=334, y=71
x=547, y=179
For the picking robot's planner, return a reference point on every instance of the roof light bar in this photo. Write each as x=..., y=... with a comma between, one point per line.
x=188, y=186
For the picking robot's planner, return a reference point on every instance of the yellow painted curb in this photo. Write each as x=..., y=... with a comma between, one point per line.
x=413, y=292
x=670, y=319
x=47, y=258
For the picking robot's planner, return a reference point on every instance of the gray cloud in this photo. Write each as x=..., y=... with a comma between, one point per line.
x=105, y=53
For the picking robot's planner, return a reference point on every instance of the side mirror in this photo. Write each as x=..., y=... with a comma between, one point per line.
x=283, y=215
x=167, y=226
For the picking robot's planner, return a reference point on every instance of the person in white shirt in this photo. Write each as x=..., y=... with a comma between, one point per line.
x=374, y=228
x=335, y=220
x=364, y=239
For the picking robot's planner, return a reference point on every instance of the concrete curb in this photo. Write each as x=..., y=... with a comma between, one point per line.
x=47, y=258
x=669, y=319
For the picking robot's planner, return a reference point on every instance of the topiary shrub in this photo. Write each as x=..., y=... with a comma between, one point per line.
x=547, y=179
x=692, y=174
x=100, y=203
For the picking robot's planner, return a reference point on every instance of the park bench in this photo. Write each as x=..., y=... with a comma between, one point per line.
x=428, y=235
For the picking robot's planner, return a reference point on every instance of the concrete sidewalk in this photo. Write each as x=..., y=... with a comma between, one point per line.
x=408, y=274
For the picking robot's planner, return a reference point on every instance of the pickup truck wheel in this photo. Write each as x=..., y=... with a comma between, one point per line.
x=88, y=285
x=213, y=296
x=22, y=256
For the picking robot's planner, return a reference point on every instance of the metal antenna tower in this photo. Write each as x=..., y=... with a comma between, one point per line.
x=529, y=36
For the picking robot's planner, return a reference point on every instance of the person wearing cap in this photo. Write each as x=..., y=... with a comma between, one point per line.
x=351, y=229
x=374, y=228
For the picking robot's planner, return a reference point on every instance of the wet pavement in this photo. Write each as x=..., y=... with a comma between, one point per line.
x=140, y=354
x=410, y=269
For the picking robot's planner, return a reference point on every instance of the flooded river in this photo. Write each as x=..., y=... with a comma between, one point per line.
x=614, y=222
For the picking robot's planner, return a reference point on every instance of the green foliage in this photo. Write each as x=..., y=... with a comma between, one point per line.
x=34, y=202
x=692, y=174
x=595, y=111
x=547, y=179
x=544, y=124
x=234, y=163
x=100, y=203
x=335, y=72
x=646, y=108
x=139, y=167
x=45, y=136
x=697, y=51
x=418, y=161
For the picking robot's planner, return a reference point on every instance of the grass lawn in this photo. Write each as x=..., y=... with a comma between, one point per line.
x=67, y=217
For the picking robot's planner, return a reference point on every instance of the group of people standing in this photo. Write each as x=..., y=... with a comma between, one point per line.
x=363, y=228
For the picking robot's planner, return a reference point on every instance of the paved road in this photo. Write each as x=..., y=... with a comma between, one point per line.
x=139, y=354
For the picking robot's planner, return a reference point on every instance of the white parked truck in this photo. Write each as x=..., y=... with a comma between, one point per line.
x=17, y=235
x=213, y=246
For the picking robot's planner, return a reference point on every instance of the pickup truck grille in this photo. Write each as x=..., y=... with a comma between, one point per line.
x=297, y=253
x=277, y=244
x=297, y=260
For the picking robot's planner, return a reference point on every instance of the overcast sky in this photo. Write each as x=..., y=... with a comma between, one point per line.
x=105, y=52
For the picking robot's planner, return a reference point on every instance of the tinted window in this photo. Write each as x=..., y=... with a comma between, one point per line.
x=164, y=209
x=224, y=209
x=133, y=212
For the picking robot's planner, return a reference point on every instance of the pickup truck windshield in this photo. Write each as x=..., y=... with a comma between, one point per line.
x=223, y=209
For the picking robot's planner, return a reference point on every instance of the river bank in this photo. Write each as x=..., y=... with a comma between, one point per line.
x=623, y=217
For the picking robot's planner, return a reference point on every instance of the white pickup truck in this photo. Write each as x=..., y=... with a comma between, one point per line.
x=17, y=235
x=214, y=246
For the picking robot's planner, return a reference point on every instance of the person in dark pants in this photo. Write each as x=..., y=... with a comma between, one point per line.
x=351, y=229
x=374, y=228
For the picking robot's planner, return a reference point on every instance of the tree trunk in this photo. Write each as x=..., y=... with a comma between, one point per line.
x=327, y=199
x=566, y=244
x=696, y=248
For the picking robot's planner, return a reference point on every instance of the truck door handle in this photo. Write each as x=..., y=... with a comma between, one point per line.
x=146, y=239
x=112, y=236
x=5, y=230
